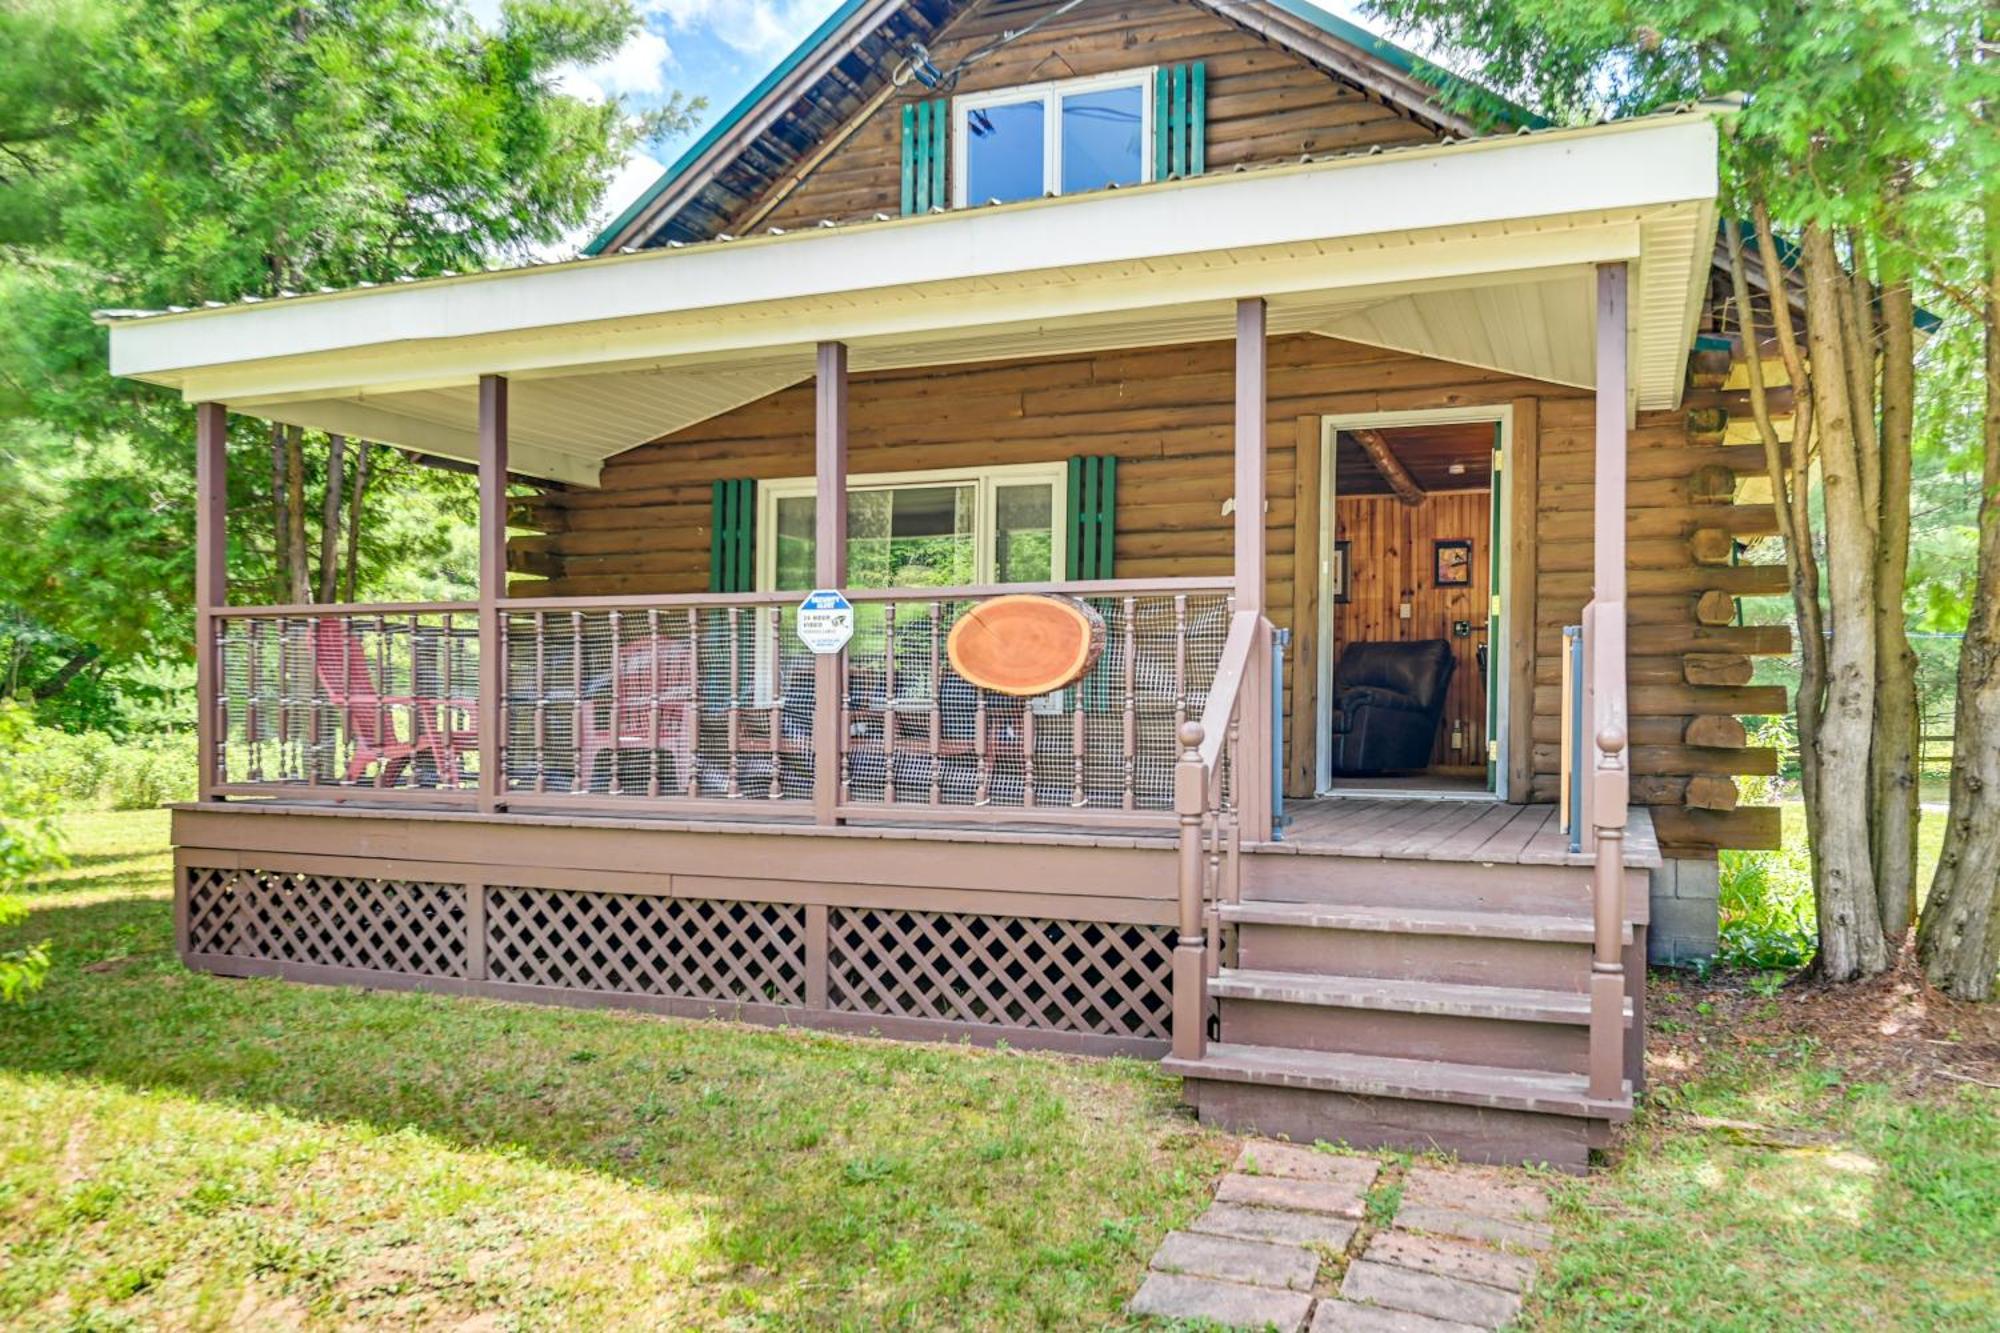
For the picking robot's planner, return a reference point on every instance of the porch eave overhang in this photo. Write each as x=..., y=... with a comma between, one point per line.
x=722, y=323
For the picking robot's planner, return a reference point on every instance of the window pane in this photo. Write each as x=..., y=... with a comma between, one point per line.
x=911, y=537
x=1004, y=147
x=1101, y=134
x=796, y=521
x=1024, y=550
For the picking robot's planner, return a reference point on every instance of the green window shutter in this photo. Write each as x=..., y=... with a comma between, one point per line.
x=1090, y=531
x=925, y=126
x=732, y=543
x=1180, y=121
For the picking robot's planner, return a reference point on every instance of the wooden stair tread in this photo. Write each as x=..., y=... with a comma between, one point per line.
x=1470, y=922
x=1458, y=999
x=1412, y=1080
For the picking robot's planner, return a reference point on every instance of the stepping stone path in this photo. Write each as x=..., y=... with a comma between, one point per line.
x=1457, y=1256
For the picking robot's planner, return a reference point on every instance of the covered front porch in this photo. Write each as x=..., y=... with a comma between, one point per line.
x=667, y=798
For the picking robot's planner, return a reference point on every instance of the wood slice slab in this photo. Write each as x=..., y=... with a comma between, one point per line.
x=1026, y=644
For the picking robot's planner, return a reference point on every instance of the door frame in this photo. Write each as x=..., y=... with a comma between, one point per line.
x=1498, y=654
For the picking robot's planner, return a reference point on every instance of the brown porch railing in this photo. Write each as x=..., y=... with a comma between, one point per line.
x=708, y=704
x=377, y=699
x=1207, y=805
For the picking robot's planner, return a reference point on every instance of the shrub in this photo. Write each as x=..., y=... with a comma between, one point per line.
x=1768, y=919
x=28, y=846
x=95, y=771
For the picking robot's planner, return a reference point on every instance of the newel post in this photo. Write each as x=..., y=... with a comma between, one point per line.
x=829, y=568
x=492, y=587
x=211, y=585
x=1190, y=944
x=1610, y=778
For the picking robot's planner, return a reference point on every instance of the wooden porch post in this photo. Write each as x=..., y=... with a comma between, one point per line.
x=1610, y=784
x=211, y=583
x=829, y=566
x=1254, y=753
x=492, y=587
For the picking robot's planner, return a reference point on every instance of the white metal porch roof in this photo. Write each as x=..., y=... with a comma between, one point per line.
x=1478, y=252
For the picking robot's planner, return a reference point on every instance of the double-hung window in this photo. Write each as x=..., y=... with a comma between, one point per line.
x=922, y=529
x=1053, y=138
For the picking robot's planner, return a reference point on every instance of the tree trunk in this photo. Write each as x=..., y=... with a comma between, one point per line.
x=1893, y=775
x=281, y=547
x=1795, y=520
x=362, y=458
x=1958, y=937
x=1850, y=926
x=298, y=576
x=329, y=518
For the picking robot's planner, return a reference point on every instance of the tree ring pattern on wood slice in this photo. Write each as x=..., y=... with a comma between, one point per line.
x=1026, y=644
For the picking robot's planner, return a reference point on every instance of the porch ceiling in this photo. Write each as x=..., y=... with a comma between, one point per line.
x=1479, y=253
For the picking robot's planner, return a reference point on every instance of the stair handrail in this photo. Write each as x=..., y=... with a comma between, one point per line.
x=1206, y=812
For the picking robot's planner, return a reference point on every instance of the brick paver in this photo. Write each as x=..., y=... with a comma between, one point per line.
x=1450, y=1261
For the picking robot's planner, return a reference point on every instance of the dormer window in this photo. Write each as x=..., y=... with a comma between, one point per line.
x=1053, y=138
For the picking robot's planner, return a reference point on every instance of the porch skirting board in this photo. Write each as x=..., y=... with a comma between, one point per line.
x=1083, y=986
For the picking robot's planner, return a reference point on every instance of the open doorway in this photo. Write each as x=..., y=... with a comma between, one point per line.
x=1411, y=679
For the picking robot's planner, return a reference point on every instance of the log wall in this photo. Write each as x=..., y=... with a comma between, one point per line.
x=1166, y=414
x=1264, y=104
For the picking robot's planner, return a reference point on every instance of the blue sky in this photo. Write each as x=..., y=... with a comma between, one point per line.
x=717, y=49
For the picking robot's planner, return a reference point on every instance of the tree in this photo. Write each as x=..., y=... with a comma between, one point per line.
x=215, y=149
x=1958, y=940
x=1844, y=140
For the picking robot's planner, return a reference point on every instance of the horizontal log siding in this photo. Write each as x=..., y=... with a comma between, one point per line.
x=1264, y=104
x=1166, y=413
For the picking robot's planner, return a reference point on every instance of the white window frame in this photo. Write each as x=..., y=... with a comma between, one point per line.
x=985, y=519
x=1051, y=94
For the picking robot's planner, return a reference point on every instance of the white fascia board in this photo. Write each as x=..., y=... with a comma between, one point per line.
x=1132, y=292
x=1635, y=165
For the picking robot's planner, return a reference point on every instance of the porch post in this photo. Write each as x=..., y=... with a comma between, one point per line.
x=492, y=587
x=1610, y=785
x=829, y=567
x=211, y=584
x=1253, y=778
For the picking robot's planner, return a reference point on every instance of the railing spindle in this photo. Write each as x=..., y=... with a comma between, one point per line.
x=578, y=717
x=693, y=776
x=889, y=715
x=735, y=716
x=541, y=716
x=937, y=703
x=777, y=686
x=1131, y=733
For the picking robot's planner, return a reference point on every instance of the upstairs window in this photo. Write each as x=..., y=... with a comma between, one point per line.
x=1053, y=138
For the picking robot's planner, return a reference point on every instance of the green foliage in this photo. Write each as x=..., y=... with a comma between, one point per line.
x=1767, y=910
x=160, y=152
x=94, y=770
x=29, y=845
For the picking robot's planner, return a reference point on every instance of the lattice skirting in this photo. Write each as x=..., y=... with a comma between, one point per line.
x=1034, y=981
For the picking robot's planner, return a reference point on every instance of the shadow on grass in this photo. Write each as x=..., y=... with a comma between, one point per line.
x=900, y=1168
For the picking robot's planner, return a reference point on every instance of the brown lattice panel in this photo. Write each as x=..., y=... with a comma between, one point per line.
x=1008, y=971
x=416, y=928
x=699, y=948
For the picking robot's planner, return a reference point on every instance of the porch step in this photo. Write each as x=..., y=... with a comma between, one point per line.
x=1446, y=999
x=1541, y=928
x=1376, y=1076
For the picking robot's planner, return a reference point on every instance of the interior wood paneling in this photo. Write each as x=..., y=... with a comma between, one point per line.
x=1390, y=553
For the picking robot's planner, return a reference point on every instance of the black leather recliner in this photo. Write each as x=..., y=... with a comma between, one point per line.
x=1387, y=702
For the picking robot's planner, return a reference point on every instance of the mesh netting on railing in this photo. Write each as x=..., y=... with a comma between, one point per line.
x=666, y=701
x=718, y=701
x=384, y=698
x=917, y=733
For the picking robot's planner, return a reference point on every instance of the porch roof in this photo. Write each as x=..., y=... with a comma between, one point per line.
x=1477, y=252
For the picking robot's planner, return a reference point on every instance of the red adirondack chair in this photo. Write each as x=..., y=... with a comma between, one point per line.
x=650, y=708
x=340, y=660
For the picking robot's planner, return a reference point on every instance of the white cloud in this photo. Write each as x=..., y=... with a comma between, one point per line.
x=639, y=66
x=755, y=27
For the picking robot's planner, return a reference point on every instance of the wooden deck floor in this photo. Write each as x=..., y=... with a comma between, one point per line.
x=1451, y=830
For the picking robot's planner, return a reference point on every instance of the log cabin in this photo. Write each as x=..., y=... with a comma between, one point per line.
x=1379, y=430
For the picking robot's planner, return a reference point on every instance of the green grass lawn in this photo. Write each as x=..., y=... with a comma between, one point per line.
x=189, y=1152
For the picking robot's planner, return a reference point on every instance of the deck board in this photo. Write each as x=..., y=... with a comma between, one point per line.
x=1421, y=829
